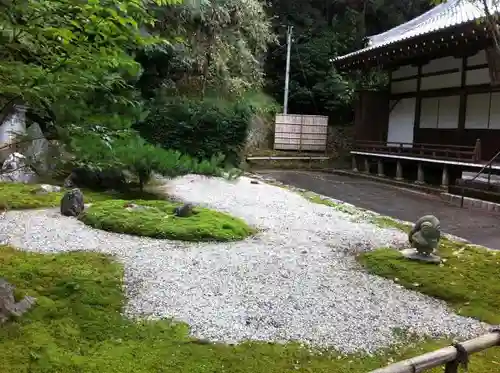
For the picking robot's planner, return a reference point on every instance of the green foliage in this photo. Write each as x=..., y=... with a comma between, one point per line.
x=201, y=128
x=125, y=150
x=321, y=32
x=218, y=45
x=463, y=280
x=156, y=219
x=17, y=196
x=55, y=51
x=77, y=326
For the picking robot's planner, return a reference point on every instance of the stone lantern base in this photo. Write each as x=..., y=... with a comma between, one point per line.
x=413, y=254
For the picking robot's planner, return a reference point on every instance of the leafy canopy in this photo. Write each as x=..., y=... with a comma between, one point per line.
x=55, y=52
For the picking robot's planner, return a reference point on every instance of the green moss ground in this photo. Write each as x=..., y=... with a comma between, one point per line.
x=17, y=196
x=76, y=326
x=159, y=221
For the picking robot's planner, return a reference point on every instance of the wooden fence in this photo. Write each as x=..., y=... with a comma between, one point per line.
x=300, y=132
x=436, y=151
x=451, y=356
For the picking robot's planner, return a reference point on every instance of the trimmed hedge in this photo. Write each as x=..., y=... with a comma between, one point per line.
x=202, y=128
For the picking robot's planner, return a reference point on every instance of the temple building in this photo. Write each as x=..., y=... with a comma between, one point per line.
x=440, y=113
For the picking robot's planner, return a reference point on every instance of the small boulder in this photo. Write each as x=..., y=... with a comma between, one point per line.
x=72, y=203
x=47, y=188
x=15, y=169
x=184, y=211
x=254, y=182
x=8, y=305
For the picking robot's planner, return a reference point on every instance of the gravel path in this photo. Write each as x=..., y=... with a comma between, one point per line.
x=296, y=280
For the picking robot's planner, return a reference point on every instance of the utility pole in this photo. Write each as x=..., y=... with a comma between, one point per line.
x=287, y=73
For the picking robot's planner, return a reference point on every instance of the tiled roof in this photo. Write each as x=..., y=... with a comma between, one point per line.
x=450, y=14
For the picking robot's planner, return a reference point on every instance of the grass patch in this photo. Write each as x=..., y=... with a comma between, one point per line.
x=315, y=198
x=378, y=220
x=467, y=279
x=158, y=221
x=17, y=196
x=76, y=326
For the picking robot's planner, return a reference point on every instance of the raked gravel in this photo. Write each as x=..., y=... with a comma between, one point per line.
x=295, y=280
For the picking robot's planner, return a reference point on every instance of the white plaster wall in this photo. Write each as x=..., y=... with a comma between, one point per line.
x=404, y=71
x=449, y=109
x=401, y=122
x=441, y=81
x=404, y=86
x=479, y=76
x=477, y=113
x=441, y=64
x=495, y=111
x=429, y=112
x=478, y=59
x=439, y=112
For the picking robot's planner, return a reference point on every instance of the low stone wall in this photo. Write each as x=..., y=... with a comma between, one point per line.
x=339, y=142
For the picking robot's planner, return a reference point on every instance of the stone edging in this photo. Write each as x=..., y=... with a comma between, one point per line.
x=469, y=202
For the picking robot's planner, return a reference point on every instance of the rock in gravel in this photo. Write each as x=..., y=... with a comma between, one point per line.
x=296, y=280
x=72, y=203
x=47, y=188
x=184, y=211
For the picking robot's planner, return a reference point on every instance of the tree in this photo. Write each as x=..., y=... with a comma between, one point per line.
x=323, y=30
x=58, y=56
x=219, y=46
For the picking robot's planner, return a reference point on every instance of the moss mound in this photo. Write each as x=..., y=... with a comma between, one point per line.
x=466, y=279
x=156, y=219
x=17, y=196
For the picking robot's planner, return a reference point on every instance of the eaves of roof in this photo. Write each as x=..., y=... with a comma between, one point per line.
x=448, y=15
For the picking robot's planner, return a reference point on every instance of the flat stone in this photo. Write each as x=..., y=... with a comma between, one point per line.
x=414, y=255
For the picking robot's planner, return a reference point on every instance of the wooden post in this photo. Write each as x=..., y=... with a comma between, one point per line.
x=442, y=356
x=477, y=151
x=445, y=177
x=399, y=171
x=367, y=166
x=354, y=164
x=420, y=174
x=380, y=168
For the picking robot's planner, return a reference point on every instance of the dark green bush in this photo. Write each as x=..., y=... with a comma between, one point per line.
x=201, y=128
x=142, y=159
x=95, y=156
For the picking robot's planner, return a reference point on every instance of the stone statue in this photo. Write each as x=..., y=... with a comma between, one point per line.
x=8, y=305
x=424, y=239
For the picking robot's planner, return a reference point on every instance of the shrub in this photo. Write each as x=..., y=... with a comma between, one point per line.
x=201, y=128
x=142, y=159
x=156, y=219
x=130, y=152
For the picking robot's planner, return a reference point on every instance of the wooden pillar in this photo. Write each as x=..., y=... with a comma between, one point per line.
x=367, y=166
x=445, y=178
x=354, y=164
x=399, y=171
x=380, y=168
x=420, y=174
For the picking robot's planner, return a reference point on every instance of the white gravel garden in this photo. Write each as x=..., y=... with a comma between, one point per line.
x=295, y=280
